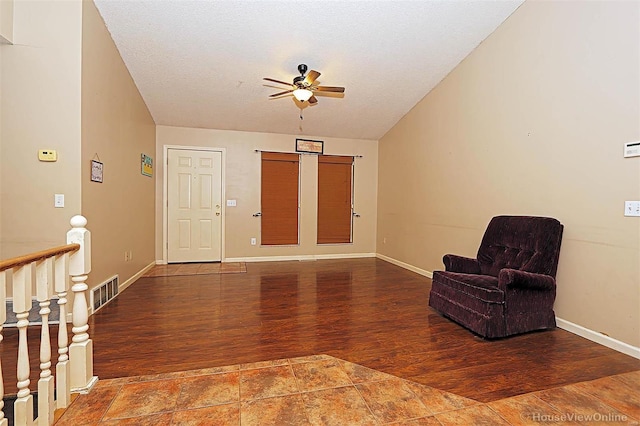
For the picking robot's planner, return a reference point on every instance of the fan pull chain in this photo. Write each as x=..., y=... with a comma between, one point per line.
x=301, y=118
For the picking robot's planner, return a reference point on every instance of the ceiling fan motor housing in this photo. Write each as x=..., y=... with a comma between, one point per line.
x=299, y=80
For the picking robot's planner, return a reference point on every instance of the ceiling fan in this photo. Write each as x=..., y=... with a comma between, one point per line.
x=303, y=86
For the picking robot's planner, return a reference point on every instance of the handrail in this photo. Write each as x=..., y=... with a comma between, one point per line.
x=50, y=274
x=40, y=255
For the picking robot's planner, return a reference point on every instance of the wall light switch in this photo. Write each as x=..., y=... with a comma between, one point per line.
x=231, y=203
x=632, y=208
x=58, y=200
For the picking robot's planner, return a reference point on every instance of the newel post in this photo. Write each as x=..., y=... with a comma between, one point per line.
x=81, y=348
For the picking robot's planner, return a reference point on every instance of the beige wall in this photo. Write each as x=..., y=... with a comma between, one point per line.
x=64, y=86
x=1, y=188
x=242, y=183
x=39, y=109
x=532, y=122
x=117, y=128
x=6, y=21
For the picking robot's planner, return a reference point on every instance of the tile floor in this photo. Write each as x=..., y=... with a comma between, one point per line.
x=174, y=269
x=322, y=390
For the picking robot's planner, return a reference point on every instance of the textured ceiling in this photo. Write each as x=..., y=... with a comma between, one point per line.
x=201, y=63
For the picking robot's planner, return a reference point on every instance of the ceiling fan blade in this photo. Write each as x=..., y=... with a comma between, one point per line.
x=329, y=89
x=313, y=100
x=281, y=93
x=276, y=81
x=311, y=77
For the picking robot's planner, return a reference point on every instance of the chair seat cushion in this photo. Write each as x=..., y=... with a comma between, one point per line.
x=481, y=287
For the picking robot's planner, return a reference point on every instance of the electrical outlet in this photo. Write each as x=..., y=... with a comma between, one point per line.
x=126, y=256
x=632, y=149
x=253, y=241
x=130, y=255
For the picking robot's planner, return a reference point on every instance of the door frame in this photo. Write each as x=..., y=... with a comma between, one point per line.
x=165, y=199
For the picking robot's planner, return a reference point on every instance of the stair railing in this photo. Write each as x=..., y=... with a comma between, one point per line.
x=49, y=272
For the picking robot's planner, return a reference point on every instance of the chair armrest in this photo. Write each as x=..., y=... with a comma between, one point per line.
x=514, y=279
x=465, y=265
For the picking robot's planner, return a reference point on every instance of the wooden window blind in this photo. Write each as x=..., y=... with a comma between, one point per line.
x=279, y=198
x=335, y=175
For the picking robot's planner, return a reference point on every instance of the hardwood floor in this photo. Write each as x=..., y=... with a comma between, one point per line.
x=366, y=311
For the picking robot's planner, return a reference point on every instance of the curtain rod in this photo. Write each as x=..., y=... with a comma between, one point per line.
x=305, y=153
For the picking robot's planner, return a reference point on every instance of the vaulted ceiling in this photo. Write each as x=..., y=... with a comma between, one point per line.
x=201, y=63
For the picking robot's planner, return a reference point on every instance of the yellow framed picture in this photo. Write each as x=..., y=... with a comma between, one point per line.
x=147, y=165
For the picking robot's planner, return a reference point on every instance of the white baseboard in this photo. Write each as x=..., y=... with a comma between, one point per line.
x=579, y=330
x=302, y=257
x=412, y=268
x=600, y=338
x=161, y=262
x=137, y=275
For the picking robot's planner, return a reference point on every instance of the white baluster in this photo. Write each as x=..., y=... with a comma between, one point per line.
x=63, y=381
x=44, y=292
x=81, y=350
x=3, y=319
x=23, y=278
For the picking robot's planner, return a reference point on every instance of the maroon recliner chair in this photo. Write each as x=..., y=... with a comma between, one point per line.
x=510, y=288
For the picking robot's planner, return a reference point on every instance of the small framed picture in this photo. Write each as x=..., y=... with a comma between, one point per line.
x=309, y=146
x=147, y=165
x=96, y=171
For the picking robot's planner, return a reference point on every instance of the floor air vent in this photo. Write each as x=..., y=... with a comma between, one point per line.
x=104, y=293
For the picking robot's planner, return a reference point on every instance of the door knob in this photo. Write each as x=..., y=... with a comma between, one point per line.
x=217, y=213
x=257, y=214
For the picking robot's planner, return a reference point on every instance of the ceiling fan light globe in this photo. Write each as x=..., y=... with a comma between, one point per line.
x=302, y=95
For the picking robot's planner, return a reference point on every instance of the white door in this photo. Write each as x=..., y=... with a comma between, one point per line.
x=194, y=200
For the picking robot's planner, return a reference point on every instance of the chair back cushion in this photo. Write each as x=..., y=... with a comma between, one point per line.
x=525, y=243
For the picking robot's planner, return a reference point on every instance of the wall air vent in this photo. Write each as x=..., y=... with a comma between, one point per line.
x=104, y=293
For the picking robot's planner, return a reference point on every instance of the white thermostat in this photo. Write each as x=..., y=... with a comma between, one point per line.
x=632, y=149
